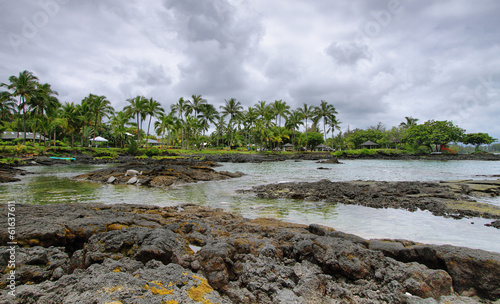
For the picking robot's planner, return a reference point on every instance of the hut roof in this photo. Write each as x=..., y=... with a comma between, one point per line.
x=29, y=135
x=369, y=143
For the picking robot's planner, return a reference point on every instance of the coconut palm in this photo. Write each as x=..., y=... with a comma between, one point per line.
x=232, y=108
x=43, y=99
x=334, y=123
x=262, y=108
x=180, y=108
x=70, y=112
x=324, y=111
x=118, y=122
x=196, y=104
x=153, y=109
x=250, y=118
x=410, y=121
x=24, y=86
x=137, y=108
x=165, y=123
x=99, y=106
x=293, y=122
x=307, y=113
x=280, y=109
x=208, y=115
x=7, y=105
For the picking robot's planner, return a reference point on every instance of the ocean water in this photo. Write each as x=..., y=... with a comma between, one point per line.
x=54, y=185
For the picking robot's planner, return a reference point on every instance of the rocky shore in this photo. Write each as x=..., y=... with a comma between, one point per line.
x=9, y=173
x=448, y=198
x=95, y=253
x=159, y=174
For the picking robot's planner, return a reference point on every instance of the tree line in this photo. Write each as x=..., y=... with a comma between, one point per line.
x=31, y=106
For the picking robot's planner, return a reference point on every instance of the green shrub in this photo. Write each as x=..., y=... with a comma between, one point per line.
x=153, y=151
x=422, y=150
x=132, y=147
x=142, y=157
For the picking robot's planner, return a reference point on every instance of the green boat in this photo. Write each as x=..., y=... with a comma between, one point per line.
x=65, y=158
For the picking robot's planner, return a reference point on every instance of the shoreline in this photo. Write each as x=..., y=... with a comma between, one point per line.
x=111, y=252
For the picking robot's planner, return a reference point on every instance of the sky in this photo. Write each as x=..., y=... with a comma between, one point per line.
x=374, y=60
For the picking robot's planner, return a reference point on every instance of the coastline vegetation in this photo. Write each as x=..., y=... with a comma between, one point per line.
x=143, y=128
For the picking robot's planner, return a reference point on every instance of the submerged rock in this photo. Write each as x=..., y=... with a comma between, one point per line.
x=450, y=198
x=162, y=174
x=95, y=253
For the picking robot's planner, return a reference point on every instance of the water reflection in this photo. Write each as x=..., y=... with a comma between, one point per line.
x=54, y=185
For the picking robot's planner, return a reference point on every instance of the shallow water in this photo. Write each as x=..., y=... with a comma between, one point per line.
x=53, y=185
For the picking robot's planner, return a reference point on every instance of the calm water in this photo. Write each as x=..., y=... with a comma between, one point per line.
x=54, y=185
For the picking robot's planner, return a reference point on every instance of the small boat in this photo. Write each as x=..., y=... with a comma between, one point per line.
x=65, y=158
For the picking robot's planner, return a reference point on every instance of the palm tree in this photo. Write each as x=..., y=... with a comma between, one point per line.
x=165, y=123
x=99, y=107
x=7, y=105
x=280, y=109
x=307, y=113
x=410, y=121
x=294, y=121
x=262, y=108
x=137, y=108
x=23, y=86
x=153, y=109
x=250, y=118
x=180, y=108
x=118, y=122
x=220, y=126
x=324, y=111
x=70, y=113
x=334, y=123
x=196, y=104
x=232, y=108
x=42, y=100
x=208, y=115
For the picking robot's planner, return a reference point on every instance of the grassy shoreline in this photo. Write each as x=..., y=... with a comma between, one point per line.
x=22, y=154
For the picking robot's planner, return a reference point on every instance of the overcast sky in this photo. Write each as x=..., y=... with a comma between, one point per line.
x=375, y=61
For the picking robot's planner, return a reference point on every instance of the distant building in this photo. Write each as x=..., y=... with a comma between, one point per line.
x=11, y=135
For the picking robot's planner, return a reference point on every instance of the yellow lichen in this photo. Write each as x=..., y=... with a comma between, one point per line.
x=116, y=226
x=199, y=291
x=117, y=269
x=158, y=289
x=114, y=302
x=112, y=289
x=170, y=302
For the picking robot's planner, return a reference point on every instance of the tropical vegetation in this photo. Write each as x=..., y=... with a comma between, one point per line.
x=28, y=105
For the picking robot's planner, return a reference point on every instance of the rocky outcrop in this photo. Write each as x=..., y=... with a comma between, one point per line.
x=450, y=198
x=9, y=173
x=161, y=174
x=94, y=253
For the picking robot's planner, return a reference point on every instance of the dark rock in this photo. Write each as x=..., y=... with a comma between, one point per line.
x=145, y=254
x=442, y=199
x=162, y=174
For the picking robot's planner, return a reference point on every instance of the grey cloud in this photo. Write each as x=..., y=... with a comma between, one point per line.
x=348, y=52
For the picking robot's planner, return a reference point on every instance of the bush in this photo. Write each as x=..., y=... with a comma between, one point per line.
x=422, y=150
x=142, y=157
x=132, y=147
x=153, y=151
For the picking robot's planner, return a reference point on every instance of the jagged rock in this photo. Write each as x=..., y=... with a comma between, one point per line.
x=127, y=280
x=159, y=175
x=140, y=243
x=449, y=198
x=142, y=254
